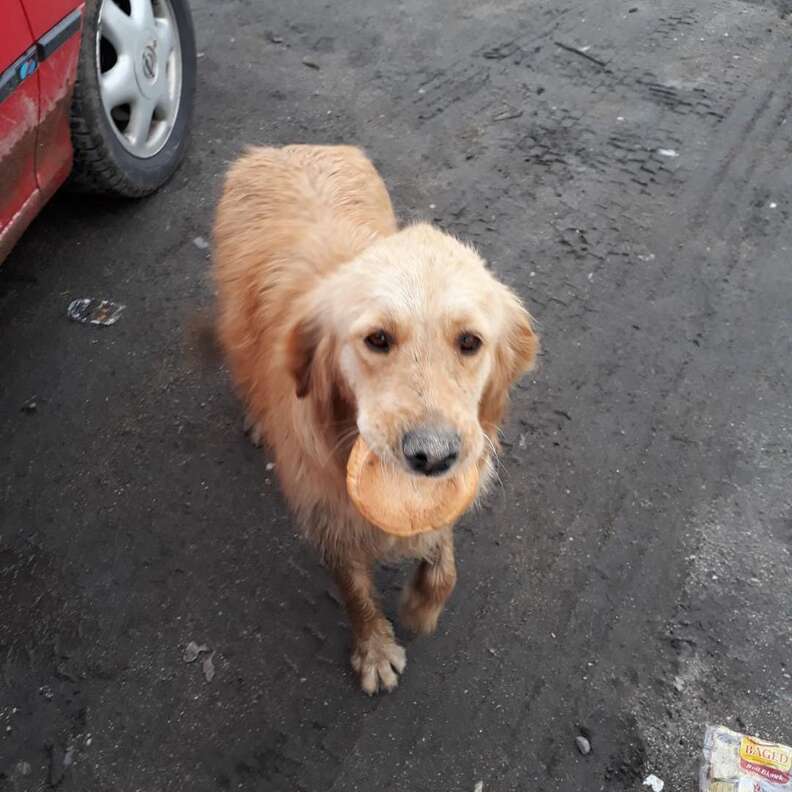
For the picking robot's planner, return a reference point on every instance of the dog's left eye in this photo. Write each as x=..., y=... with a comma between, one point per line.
x=380, y=341
x=469, y=344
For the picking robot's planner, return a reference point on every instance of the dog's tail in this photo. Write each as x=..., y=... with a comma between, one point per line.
x=203, y=343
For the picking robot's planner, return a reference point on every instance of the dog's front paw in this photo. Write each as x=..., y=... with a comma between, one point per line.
x=252, y=428
x=379, y=660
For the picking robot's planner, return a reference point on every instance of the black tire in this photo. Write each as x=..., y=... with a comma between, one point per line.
x=101, y=163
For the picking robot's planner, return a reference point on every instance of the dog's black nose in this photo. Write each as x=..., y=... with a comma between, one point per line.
x=431, y=450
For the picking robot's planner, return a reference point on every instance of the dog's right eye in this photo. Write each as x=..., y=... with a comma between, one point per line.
x=380, y=341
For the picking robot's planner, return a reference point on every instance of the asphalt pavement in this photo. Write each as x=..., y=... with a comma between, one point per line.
x=627, y=168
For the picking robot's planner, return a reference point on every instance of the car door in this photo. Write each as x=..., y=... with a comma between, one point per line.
x=19, y=94
x=56, y=26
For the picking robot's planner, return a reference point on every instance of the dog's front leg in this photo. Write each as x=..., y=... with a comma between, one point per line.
x=434, y=580
x=376, y=656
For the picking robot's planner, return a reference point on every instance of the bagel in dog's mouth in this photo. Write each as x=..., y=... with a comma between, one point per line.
x=403, y=504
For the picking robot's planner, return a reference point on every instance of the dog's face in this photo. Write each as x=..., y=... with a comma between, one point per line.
x=422, y=342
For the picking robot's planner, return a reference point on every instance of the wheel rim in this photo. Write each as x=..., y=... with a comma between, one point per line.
x=139, y=63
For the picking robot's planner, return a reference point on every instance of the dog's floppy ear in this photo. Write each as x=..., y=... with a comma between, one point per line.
x=515, y=355
x=311, y=356
x=523, y=343
x=302, y=344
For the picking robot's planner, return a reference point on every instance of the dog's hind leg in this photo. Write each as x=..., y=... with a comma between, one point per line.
x=376, y=656
x=423, y=600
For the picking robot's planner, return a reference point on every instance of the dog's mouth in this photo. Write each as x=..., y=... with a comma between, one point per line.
x=431, y=466
x=382, y=451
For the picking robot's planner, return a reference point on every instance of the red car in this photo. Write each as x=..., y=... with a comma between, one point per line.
x=100, y=91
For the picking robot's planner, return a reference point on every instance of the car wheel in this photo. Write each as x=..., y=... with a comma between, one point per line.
x=134, y=95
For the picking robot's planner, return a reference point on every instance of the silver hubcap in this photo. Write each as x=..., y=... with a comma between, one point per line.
x=138, y=58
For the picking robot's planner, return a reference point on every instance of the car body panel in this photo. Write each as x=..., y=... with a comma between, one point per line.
x=59, y=51
x=38, y=60
x=43, y=15
x=19, y=93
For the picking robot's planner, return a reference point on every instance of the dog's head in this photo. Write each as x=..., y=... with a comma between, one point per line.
x=420, y=344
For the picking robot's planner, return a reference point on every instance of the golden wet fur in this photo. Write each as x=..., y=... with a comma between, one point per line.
x=309, y=263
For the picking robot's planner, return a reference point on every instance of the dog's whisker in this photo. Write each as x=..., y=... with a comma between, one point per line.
x=495, y=457
x=492, y=446
x=343, y=438
x=342, y=422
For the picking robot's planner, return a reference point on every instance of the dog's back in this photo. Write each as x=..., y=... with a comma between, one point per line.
x=287, y=217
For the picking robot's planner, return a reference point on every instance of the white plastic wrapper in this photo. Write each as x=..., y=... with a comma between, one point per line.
x=735, y=762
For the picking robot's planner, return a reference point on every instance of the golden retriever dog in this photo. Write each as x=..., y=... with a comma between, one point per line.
x=336, y=323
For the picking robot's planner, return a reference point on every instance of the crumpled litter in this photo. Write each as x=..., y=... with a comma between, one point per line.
x=208, y=667
x=192, y=650
x=656, y=784
x=735, y=762
x=89, y=310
